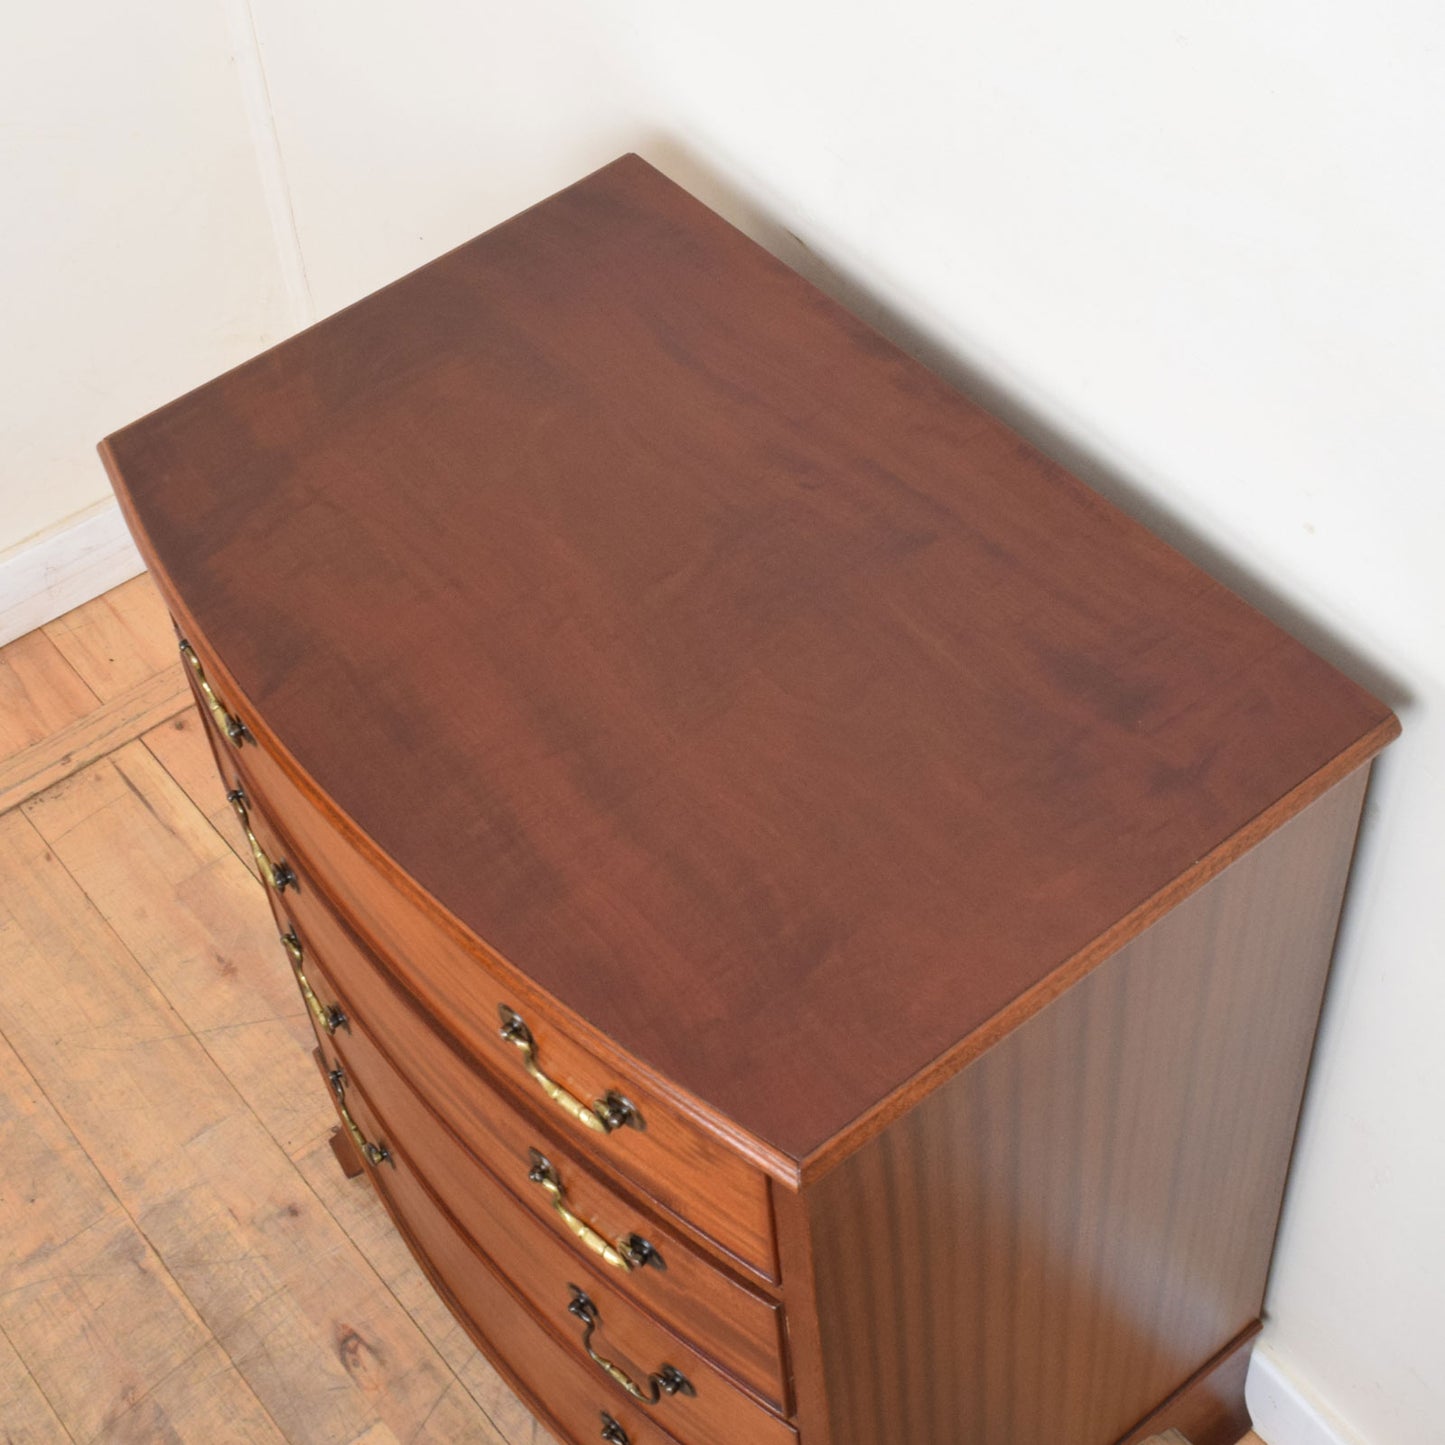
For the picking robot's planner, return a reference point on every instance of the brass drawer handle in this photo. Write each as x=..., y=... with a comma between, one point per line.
x=629, y=1253
x=669, y=1380
x=602, y=1116
x=374, y=1154
x=278, y=875
x=327, y=1016
x=612, y=1432
x=228, y=722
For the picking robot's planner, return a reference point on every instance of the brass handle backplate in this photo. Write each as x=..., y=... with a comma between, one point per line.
x=327, y=1016
x=612, y=1432
x=227, y=721
x=278, y=875
x=668, y=1380
x=374, y=1154
x=602, y=1116
x=629, y=1253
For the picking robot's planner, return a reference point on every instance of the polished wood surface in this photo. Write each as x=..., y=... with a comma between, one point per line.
x=542, y=1272
x=772, y=708
x=717, y=1191
x=476, y=1138
x=514, y=1240
x=1051, y=1244
x=675, y=1157
x=1210, y=1409
x=562, y=1382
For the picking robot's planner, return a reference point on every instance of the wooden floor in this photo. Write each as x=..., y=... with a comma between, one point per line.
x=180, y=1258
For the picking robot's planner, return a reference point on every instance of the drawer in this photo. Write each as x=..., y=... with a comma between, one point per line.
x=467, y=1138
x=577, y=1404
x=602, y=1332
x=502, y=1018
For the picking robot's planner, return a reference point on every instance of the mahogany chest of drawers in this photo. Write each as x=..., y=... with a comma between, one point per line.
x=814, y=921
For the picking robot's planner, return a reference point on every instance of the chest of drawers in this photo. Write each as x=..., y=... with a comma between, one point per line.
x=814, y=921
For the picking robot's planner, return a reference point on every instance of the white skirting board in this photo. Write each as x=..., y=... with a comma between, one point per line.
x=1285, y=1412
x=60, y=569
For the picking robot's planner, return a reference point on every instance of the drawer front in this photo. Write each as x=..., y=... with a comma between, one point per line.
x=580, y=1406
x=468, y=1137
x=629, y=1355
x=597, y=1099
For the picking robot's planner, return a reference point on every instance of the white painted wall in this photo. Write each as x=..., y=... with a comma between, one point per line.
x=1195, y=250
x=136, y=254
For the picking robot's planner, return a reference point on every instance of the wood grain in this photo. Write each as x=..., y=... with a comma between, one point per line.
x=40, y=693
x=1081, y=1217
x=278, y=1082
x=91, y=736
x=677, y=1158
x=142, y=1366
x=84, y=685
x=759, y=687
x=26, y=1413
x=118, y=641
x=541, y=1271
x=1210, y=1409
x=477, y=1155
x=288, y=1298
x=179, y=746
x=562, y=1388
x=945, y=868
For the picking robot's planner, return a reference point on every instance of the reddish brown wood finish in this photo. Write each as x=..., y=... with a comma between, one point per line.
x=1210, y=1409
x=718, y=1414
x=487, y=1098
x=536, y=1363
x=729, y=674
x=484, y=1185
x=1053, y=1242
x=451, y=981
x=346, y=1155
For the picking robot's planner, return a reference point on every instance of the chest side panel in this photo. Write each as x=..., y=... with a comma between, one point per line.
x=1057, y=1239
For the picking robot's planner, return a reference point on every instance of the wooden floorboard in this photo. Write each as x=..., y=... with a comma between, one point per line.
x=25, y=1413
x=40, y=693
x=182, y=1259
x=117, y=641
x=112, y=1348
x=91, y=736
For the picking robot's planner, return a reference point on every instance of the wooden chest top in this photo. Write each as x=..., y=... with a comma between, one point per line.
x=756, y=693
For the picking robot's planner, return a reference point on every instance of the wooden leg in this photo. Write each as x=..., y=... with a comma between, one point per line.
x=1210, y=1409
x=345, y=1152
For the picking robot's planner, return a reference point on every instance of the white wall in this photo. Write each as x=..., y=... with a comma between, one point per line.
x=136, y=252
x=1195, y=250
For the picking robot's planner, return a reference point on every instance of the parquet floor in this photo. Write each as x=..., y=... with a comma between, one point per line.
x=180, y=1259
